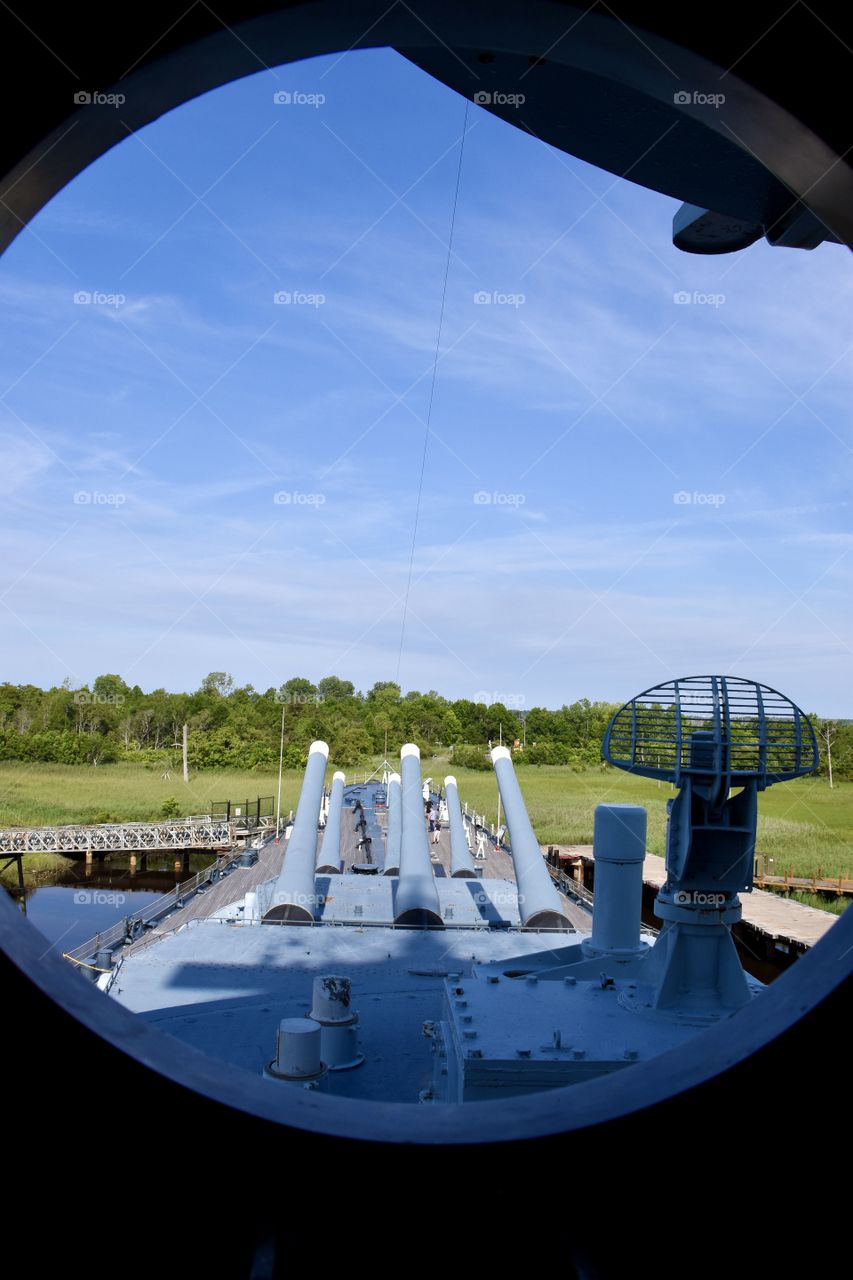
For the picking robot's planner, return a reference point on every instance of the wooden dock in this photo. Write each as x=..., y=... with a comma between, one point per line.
x=785, y=926
x=841, y=887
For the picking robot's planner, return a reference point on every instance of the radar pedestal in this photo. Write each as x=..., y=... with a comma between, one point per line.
x=710, y=851
x=720, y=740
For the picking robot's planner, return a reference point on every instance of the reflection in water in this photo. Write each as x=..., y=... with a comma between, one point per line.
x=80, y=901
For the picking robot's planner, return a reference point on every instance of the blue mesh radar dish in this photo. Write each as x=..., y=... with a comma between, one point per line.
x=712, y=727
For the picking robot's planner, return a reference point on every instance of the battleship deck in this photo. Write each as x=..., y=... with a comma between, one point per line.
x=223, y=989
x=241, y=880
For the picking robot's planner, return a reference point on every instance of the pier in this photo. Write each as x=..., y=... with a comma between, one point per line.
x=774, y=930
x=205, y=832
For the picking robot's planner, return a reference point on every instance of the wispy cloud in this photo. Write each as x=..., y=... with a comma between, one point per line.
x=666, y=481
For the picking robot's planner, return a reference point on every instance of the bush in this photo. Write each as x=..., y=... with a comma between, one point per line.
x=170, y=808
x=470, y=758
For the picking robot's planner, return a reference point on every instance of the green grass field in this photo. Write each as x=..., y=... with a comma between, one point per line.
x=803, y=825
x=35, y=795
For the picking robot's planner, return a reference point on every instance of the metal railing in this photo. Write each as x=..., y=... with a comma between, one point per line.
x=133, y=926
x=570, y=887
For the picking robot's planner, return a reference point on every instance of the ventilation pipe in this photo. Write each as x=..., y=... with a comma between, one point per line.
x=395, y=827
x=619, y=848
x=294, y=898
x=329, y=861
x=461, y=862
x=297, y=1052
x=417, y=895
x=332, y=1010
x=538, y=901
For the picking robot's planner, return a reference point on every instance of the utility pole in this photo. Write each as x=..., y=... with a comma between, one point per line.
x=828, y=735
x=186, y=769
x=280, y=761
x=501, y=741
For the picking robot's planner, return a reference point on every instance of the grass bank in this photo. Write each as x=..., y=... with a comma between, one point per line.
x=804, y=825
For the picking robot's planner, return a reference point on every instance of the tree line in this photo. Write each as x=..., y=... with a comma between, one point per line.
x=233, y=726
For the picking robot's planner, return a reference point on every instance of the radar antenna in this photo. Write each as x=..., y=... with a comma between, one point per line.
x=720, y=740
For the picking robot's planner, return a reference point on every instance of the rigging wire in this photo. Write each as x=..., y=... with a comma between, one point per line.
x=431, y=394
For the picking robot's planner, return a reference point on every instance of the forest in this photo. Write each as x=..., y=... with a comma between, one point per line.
x=231, y=726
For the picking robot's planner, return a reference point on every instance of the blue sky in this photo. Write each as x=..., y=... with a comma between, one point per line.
x=196, y=477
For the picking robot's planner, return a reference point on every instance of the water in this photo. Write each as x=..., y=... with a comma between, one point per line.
x=68, y=917
x=75, y=905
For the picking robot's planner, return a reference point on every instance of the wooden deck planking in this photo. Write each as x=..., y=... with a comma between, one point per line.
x=228, y=889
